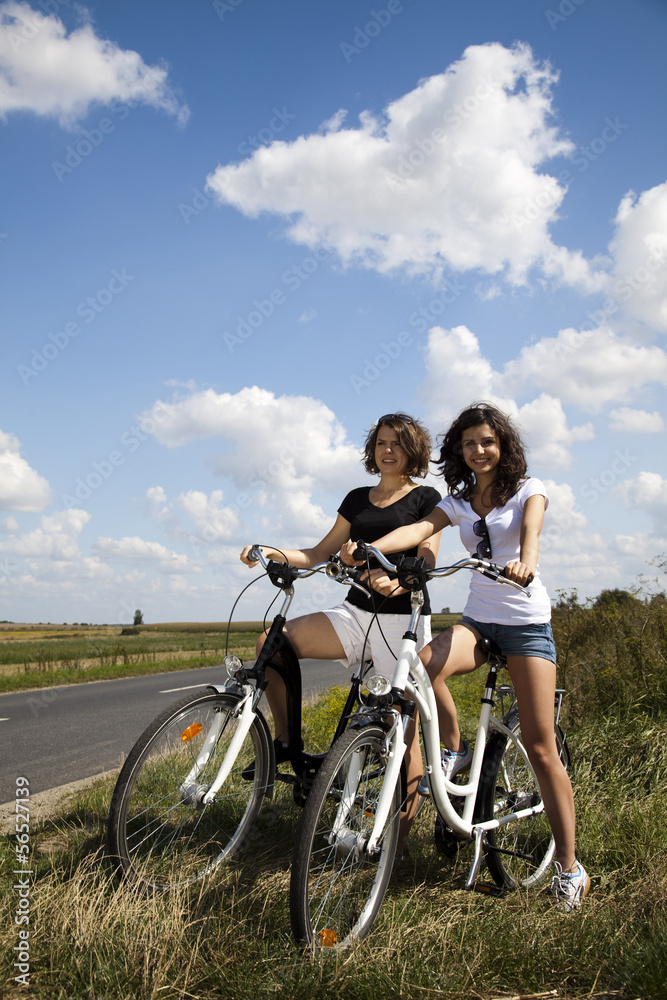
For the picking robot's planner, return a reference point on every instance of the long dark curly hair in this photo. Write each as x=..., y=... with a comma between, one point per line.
x=511, y=468
x=413, y=438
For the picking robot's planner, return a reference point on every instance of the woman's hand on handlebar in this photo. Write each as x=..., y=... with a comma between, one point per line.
x=250, y=563
x=347, y=551
x=382, y=583
x=519, y=572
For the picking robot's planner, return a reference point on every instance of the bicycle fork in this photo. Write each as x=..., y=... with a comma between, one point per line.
x=190, y=791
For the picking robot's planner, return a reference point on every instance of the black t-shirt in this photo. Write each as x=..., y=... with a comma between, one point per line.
x=368, y=523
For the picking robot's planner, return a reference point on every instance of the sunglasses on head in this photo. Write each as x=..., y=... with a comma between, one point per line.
x=484, y=546
x=395, y=416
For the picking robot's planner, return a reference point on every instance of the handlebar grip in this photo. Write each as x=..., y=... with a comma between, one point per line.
x=360, y=551
x=253, y=554
x=526, y=584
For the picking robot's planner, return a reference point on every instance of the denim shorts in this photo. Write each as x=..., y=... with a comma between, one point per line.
x=518, y=640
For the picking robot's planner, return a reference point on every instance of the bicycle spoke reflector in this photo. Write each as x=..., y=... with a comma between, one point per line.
x=191, y=731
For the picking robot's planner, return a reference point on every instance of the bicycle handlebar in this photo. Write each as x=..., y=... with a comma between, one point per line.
x=414, y=573
x=282, y=575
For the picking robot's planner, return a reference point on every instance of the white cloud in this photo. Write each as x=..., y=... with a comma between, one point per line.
x=457, y=374
x=563, y=514
x=21, y=488
x=590, y=369
x=209, y=521
x=449, y=176
x=277, y=443
x=148, y=553
x=546, y=433
x=288, y=458
x=639, y=246
x=55, y=539
x=50, y=73
x=648, y=492
x=628, y=421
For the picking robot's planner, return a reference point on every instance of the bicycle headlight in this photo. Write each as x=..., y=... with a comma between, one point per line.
x=232, y=665
x=378, y=685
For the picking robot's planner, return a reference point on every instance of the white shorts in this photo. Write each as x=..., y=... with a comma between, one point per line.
x=352, y=628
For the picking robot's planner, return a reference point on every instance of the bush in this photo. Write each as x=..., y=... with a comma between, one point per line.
x=612, y=654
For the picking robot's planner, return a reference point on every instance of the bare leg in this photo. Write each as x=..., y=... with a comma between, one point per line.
x=414, y=768
x=534, y=680
x=452, y=652
x=311, y=636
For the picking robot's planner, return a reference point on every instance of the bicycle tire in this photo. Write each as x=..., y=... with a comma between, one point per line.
x=336, y=889
x=158, y=838
x=508, y=783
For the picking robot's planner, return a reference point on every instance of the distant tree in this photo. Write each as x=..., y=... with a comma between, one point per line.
x=609, y=598
x=138, y=618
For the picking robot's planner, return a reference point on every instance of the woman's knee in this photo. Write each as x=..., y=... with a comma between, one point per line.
x=544, y=757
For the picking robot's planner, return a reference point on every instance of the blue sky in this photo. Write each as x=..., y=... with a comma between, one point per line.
x=236, y=232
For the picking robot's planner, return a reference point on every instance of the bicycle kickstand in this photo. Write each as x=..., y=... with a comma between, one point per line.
x=476, y=861
x=488, y=888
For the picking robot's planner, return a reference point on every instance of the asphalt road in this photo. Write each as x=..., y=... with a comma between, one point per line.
x=62, y=734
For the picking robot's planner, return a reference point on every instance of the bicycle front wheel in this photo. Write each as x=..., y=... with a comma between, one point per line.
x=336, y=886
x=159, y=833
x=520, y=853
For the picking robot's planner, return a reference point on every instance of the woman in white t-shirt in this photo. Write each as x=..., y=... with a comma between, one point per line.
x=499, y=512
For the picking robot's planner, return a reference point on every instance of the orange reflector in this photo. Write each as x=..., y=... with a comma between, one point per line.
x=328, y=938
x=191, y=731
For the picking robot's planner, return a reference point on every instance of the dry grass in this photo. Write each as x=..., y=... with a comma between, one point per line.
x=229, y=937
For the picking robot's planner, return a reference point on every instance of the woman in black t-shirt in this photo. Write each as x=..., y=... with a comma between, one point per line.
x=398, y=448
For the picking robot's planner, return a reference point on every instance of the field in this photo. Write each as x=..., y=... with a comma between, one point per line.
x=47, y=655
x=229, y=937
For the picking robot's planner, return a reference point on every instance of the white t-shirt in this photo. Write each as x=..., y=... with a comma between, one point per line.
x=489, y=601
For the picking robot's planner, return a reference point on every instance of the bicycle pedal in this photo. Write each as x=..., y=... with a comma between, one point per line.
x=490, y=889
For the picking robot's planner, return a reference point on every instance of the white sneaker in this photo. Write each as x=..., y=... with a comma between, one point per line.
x=569, y=888
x=451, y=764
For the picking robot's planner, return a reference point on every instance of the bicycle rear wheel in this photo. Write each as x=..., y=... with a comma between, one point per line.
x=159, y=834
x=520, y=853
x=336, y=887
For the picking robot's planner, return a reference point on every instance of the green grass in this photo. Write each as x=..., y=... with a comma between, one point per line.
x=229, y=938
x=28, y=665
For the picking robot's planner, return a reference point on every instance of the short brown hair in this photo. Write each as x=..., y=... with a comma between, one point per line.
x=413, y=439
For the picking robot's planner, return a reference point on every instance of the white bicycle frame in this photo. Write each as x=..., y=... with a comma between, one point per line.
x=190, y=791
x=411, y=677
